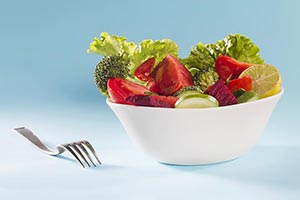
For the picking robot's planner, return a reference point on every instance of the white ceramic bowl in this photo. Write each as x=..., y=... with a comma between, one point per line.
x=196, y=136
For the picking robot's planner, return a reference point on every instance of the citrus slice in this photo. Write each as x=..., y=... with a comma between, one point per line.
x=196, y=101
x=266, y=80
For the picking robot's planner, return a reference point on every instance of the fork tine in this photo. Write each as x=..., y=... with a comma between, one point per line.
x=91, y=149
x=86, y=152
x=73, y=153
x=73, y=145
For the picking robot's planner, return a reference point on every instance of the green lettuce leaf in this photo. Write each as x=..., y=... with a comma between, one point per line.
x=200, y=57
x=237, y=46
x=108, y=45
x=153, y=48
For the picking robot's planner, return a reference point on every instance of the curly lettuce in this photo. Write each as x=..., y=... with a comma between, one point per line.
x=153, y=48
x=200, y=62
x=236, y=46
x=108, y=45
x=239, y=47
x=200, y=57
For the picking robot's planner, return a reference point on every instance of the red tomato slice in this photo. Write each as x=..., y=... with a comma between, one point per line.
x=143, y=71
x=119, y=89
x=151, y=85
x=170, y=76
x=228, y=67
x=243, y=82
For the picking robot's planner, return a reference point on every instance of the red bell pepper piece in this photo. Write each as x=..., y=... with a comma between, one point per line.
x=243, y=82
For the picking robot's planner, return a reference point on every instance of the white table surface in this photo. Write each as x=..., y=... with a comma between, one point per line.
x=269, y=171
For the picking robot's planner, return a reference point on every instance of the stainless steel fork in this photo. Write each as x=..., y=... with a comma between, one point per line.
x=80, y=149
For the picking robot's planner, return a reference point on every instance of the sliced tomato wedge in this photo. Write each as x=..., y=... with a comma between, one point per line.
x=229, y=68
x=119, y=89
x=170, y=76
x=143, y=71
x=152, y=101
x=243, y=82
x=151, y=85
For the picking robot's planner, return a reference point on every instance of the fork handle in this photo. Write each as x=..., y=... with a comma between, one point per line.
x=34, y=139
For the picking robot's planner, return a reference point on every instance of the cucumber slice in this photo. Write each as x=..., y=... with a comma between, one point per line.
x=247, y=97
x=188, y=92
x=196, y=101
x=239, y=92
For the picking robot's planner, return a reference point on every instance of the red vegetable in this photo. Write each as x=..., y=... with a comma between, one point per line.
x=228, y=67
x=119, y=89
x=151, y=85
x=221, y=92
x=170, y=76
x=152, y=101
x=243, y=82
x=143, y=71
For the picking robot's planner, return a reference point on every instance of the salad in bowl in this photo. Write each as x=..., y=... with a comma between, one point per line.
x=209, y=107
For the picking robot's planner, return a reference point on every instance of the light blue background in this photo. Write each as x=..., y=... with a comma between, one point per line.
x=46, y=82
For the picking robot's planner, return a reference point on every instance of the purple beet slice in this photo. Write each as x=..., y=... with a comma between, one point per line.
x=221, y=92
x=152, y=101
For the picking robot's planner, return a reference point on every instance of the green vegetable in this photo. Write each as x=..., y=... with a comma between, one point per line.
x=107, y=45
x=121, y=57
x=196, y=101
x=247, y=97
x=151, y=93
x=109, y=67
x=201, y=61
x=239, y=47
x=182, y=91
x=236, y=46
x=153, y=48
x=199, y=58
x=205, y=77
x=239, y=92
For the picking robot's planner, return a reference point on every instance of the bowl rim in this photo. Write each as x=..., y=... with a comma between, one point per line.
x=202, y=109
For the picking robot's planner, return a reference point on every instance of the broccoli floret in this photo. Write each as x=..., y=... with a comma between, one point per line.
x=189, y=88
x=110, y=66
x=205, y=77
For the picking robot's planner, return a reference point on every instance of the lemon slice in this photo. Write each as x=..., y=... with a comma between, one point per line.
x=266, y=80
